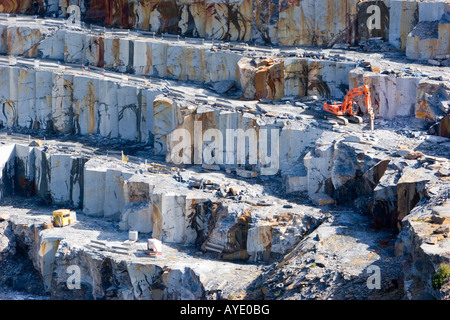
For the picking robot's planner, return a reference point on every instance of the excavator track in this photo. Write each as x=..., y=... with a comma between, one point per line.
x=355, y=119
x=343, y=121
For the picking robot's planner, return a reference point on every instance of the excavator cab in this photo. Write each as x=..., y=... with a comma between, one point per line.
x=344, y=112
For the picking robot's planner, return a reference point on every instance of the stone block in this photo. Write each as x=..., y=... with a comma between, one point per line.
x=22, y=40
x=422, y=43
x=296, y=78
x=262, y=79
x=26, y=96
x=7, y=169
x=444, y=34
x=410, y=189
x=117, y=53
x=403, y=17
x=138, y=210
x=61, y=179
x=62, y=99
x=114, y=203
x=94, y=189
x=75, y=47
x=108, y=112
x=53, y=46
x=95, y=50
x=43, y=100
x=129, y=118
x=391, y=96
x=259, y=241
x=432, y=10
x=167, y=117
x=192, y=21
x=85, y=104
x=222, y=66
x=8, y=95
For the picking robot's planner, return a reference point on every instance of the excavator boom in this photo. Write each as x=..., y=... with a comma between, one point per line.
x=345, y=109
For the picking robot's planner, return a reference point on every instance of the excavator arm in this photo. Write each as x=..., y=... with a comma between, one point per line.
x=346, y=107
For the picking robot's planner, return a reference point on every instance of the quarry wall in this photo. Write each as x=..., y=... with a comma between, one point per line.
x=267, y=22
x=77, y=97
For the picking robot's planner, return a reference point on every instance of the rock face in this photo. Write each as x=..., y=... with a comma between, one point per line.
x=423, y=241
x=263, y=79
x=78, y=104
x=268, y=22
x=193, y=208
x=56, y=178
x=88, y=102
x=426, y=107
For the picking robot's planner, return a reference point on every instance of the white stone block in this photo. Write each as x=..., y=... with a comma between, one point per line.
x=62, y=109
x=8, y=80
x=129, y=112
x=26, y=111
x=75, y=43
x=222, y=66
x=85, y=104
x=108, y=124
x=53, y=46
x=142, y=58
x=432, y=11
x=60, y=178
x=133, y=235
x=117, y=52
x=259, y=238
x=402, y=19
x=7, y=169
x=43, y=98
x=173, y=218
x=94, y=189
x=114, y=203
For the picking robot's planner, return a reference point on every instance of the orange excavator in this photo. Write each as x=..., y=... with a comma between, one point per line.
x=344, y=111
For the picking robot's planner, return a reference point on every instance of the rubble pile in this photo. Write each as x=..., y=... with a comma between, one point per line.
x=201, y=124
